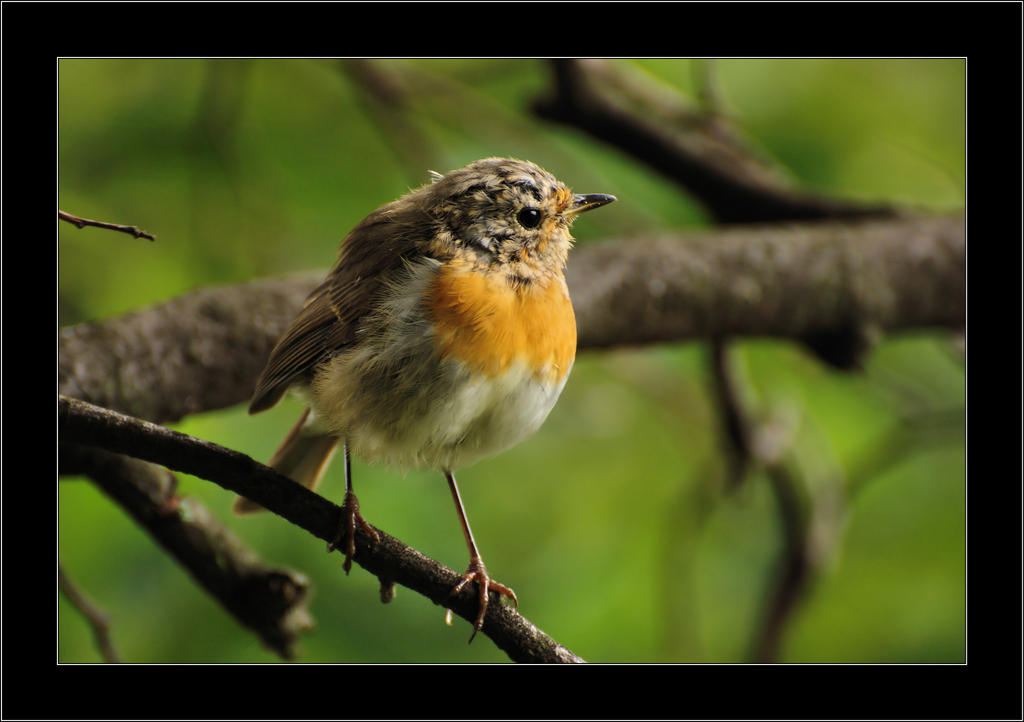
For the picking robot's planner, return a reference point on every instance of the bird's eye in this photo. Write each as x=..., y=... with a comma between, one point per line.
x=528, y=217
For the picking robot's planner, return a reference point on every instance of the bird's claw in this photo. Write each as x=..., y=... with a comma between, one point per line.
x=347, y=521
x=478, y=573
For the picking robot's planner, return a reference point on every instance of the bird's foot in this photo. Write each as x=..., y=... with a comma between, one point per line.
x=478, y=573
x=347, y=521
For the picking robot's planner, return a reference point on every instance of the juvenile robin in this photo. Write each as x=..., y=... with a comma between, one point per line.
x=443, y=334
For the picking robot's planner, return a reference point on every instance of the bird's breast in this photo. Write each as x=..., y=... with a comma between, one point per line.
x=490, y=325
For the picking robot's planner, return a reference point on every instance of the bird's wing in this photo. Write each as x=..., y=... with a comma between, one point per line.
x=330, y=317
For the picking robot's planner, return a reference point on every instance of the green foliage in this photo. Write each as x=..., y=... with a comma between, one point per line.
x=612, y=524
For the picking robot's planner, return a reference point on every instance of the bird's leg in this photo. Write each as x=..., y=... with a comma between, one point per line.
x=476, y=571
x=350, y=516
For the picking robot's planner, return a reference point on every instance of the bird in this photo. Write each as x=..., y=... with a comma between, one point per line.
x=443, y=334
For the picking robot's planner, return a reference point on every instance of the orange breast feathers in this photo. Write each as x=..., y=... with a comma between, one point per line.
x=489, y=325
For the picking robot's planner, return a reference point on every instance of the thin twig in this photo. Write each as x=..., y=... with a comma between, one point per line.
x=389, y=559
x=95, y=618
x=83, y=222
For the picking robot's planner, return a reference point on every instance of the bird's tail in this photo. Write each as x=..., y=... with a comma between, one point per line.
x=303, y=457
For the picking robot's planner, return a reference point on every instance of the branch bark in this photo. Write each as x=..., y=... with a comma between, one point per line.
x=390, y=560
x=197, y=352
x=796, y=281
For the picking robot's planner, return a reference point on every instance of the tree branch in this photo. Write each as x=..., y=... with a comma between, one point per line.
x=197, y=352
x=698, y=150
x=203, y=350
x=390, y=560
x=83, y=222
x=269, y=600
x=786, y=281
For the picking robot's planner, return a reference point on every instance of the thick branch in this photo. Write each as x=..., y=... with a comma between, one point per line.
x=204, y=350
x=389, y=559
x=698, y=150
x=200, y=351
x=790, y=281
x=269, y=600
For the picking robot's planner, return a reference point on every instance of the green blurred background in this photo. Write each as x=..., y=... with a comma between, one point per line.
x=612, y=524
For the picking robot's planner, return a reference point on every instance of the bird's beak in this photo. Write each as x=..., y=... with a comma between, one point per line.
x=587, y=202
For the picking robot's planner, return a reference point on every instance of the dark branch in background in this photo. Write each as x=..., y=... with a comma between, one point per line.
x=268, y=600
x=700, y=151
x=736, y=425
x=96, y=619
x=390, y=560
x=203, y=350
x=765, y=445
x=83, y=222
